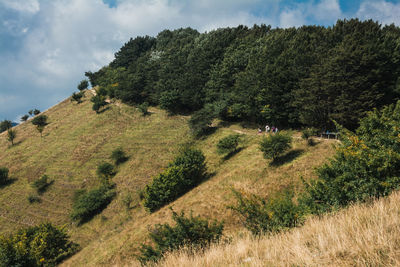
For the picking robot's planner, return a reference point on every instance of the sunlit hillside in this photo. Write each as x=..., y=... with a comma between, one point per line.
x=361, y=235
x=77, y=140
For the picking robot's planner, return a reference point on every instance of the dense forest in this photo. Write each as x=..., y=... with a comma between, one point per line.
x=308, y=76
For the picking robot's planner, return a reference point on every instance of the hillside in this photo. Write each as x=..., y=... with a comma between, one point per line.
x=361, y=235
x=77, y=140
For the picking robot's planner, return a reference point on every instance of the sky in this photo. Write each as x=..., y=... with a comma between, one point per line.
x=47, y=45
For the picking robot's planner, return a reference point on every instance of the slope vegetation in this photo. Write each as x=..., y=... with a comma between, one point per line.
x=361, y=235
x=77, y=140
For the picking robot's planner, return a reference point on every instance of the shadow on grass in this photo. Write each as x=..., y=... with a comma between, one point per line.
x=15, y=144
x=44, y=188
x=231, y=154
x=205, y=133
x=288, y=157
x=9, y=181
x=103, y=110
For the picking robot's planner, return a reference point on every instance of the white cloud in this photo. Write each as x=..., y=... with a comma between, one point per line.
x=323, y=12
x=28, y=6
x=384, y=12
x=61, y=39
x=327, y=10
x=292, y=18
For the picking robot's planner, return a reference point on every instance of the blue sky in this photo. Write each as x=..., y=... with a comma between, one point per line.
x=47, y=45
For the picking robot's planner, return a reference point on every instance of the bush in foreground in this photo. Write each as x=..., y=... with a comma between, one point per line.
x=43, y=245
x=193, y=232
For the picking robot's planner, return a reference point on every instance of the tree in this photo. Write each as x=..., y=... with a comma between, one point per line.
x=99, y=101
x=275, y=145
x=36, y=112
x=11, y=135
x=25, y=118
x=77, y=97
x=30, y=112
x=5, y=125
x=40, y=122
x=83, y=85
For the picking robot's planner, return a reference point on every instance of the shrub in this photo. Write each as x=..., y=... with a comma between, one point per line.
x=40, y=122
x=184, y=173
x=5, y=125
x=36, y=112
x=25, y=117
x=11, y=135
x=105, y=171
x=43, y=245
x=271, y=215
x=41, y=184
x=366, y=164
x=193, y=232
x=84, y=84
x=99, y=101
x=143, y=108
x=119, y=156
x=228, y=144
x=127, y=200
x=307, y=135
x=275, y=145
x=33, y=198
x=3, y=175
x=88, y=204
x=77, y=97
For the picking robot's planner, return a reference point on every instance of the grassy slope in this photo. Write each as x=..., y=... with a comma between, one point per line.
x=361, y=235
x=77, y=140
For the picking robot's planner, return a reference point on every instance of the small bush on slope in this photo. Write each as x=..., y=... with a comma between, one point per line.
x=193, y=232
x=88, y=204
x=43, y=245
x=367, y=164
x=275, y=145
x=228, y=144
x=41, y=184
x=184, y=173
x=119, y=156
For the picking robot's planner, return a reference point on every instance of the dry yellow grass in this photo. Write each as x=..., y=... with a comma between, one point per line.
x=361, y=235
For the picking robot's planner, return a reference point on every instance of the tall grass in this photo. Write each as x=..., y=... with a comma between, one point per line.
x=361, y=235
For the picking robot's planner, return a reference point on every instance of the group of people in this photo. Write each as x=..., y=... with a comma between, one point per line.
x=268, y=129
